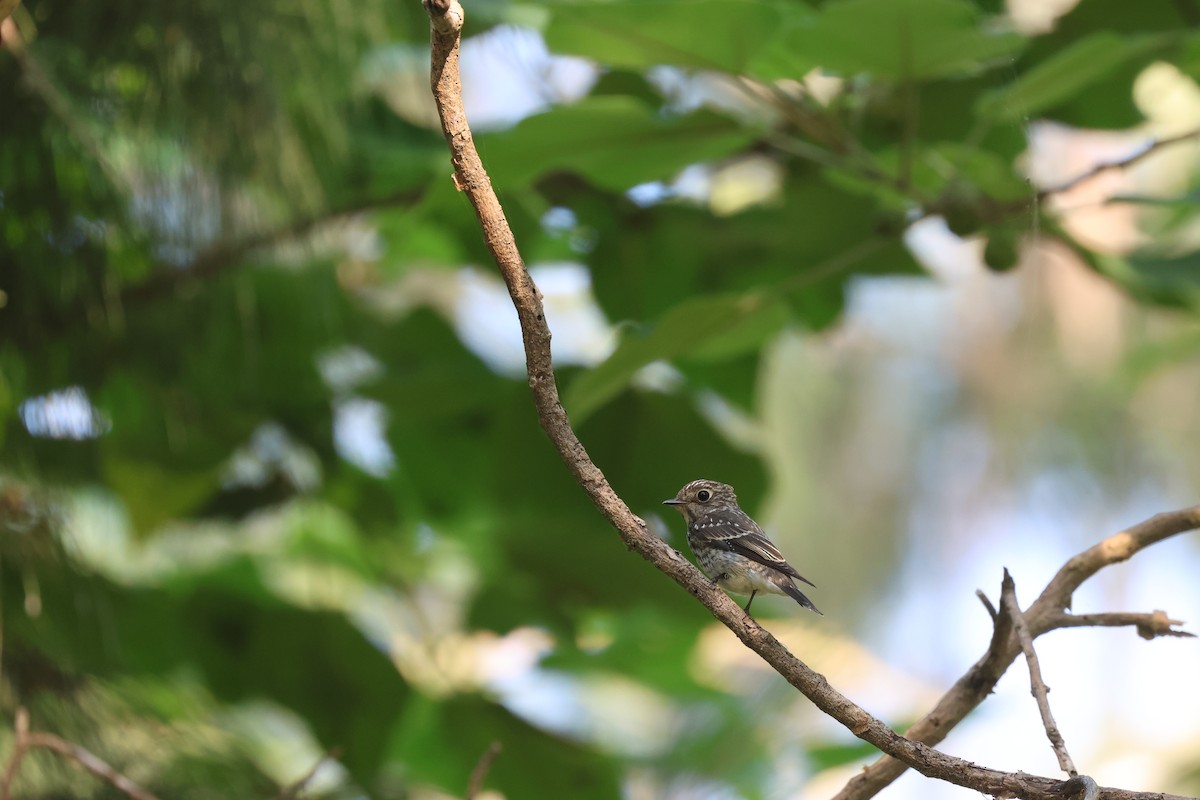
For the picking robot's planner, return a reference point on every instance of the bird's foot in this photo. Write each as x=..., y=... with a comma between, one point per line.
x=748, y=602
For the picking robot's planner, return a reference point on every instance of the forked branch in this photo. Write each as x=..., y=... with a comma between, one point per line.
x=25, y=740
x=1047, y=613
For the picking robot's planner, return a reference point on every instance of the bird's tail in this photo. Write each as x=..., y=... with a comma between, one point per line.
x=798, y=596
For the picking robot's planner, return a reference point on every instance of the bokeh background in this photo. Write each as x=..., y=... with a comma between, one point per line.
x=271, y=484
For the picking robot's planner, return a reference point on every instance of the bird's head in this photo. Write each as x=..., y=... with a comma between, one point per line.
x=700, y=497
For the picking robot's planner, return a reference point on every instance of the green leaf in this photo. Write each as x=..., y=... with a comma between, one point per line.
x=614, y=142
x=314, y=663
x=904, y=39
x=1188, y=58
x=1118, y=15
x=440, y=742
x=226, y=628
x=742, y=336
x=725, y=35
x=322, y=533
x=687, y=326
x=153, y=493
x=1151, y=358
x=643, y=643
x=953, y=172
x=1174, y=280
x=1065, y=74
x=993, y=176
x=790, y=242
x=1188, y=201
x=412, y=240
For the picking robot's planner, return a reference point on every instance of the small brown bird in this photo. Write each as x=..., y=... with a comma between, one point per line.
x=731, y=548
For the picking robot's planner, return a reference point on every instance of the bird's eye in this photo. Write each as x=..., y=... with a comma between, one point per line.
x=703, y=495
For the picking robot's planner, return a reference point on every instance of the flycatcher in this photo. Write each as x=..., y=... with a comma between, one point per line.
x=731, y=548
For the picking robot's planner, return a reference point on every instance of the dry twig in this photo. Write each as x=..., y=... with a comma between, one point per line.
x=26, y=741
x=1149, y=149
x=1149, y=626
x=479, y=773
x=987, y=604
x=1038, y=687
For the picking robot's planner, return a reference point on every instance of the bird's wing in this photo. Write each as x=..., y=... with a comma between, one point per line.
x=747, y=539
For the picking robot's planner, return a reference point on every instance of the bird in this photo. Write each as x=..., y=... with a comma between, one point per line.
x=731, y=548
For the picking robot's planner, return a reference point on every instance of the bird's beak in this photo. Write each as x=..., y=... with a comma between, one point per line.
x=672, y=502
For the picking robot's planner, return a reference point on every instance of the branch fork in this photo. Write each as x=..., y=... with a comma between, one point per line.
x=25, y=740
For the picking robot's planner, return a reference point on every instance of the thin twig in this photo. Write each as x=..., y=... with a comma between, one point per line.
x=999, y=212
x=1151, y=147
x=446, y=21
x=20, y=732
x=991, y=609
x=1008, y=596
x=292, y=790
x=1149, y=626
x=26, y=741
x=479, y=773
x=90, y=763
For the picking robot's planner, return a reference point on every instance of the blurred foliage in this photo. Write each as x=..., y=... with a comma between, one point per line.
x=180, y=186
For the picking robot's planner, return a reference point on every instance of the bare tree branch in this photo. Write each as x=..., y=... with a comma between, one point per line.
x=26, y=741
x=1046, y=614
x=1037, y=686
x=446, y=21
